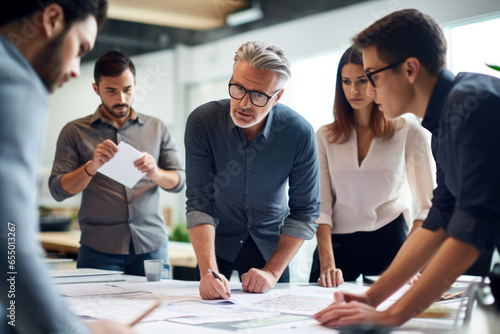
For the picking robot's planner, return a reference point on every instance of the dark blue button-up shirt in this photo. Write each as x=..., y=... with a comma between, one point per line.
x=241, y=187
x=463, y=115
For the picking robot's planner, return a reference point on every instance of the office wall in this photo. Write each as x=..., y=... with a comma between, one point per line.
x=324, y=32
x=167, y=79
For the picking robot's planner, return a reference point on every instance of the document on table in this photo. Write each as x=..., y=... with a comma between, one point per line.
x=121, y=304
x=86, y=275
x=280, y=310
x=302, y=301
x=121, y=167
x=213, y=311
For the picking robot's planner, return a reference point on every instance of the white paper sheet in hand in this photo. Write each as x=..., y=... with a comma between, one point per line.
x=121, y=167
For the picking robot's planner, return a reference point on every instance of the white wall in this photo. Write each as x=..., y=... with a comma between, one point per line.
x=163, y=76
x=166, y=79
x=324, y=32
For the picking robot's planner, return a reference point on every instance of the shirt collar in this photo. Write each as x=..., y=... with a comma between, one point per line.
x=437, y=100
x=99, y=116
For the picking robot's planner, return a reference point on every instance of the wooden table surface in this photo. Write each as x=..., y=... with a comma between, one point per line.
x=180, y=253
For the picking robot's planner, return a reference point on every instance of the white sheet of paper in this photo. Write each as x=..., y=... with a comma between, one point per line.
x=121, y=167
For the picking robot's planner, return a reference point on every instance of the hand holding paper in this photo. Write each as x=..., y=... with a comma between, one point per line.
x=121, y=167
x=147, y=164
x=104, y=152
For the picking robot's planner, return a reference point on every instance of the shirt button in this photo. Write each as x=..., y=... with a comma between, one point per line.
x=241, y=241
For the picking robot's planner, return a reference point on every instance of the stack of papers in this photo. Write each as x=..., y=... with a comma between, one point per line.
x=86, y=275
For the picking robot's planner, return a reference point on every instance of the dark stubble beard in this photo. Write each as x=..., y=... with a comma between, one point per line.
x=47, y=62
x=112, y=113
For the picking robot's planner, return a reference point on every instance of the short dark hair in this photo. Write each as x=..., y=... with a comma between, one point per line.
x=112, y=64
x=403, y=34
x=74, y=10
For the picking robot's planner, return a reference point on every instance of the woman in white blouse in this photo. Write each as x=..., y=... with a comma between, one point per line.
x=366, y=165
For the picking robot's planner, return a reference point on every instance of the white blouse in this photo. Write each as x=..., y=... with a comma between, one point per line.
x=365, y=198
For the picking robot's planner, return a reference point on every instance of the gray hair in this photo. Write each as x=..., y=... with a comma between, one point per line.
x=265, y=57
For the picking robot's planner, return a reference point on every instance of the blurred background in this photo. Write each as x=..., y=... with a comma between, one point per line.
x=183, y=52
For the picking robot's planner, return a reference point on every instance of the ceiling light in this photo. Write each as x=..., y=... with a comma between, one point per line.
x=250, y=14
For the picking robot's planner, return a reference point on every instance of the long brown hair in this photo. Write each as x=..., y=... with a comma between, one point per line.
x=344, y=122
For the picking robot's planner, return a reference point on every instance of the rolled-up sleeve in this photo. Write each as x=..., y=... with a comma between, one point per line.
x=66, y=160
x=195, y=218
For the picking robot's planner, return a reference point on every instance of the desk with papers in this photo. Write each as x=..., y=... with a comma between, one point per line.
x=286, y=308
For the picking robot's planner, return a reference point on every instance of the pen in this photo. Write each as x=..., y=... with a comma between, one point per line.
x=142, y=316
x=215, y=274
x=218, y=277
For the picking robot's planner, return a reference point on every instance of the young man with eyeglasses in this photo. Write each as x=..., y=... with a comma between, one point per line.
x=241, y=154
x=404, y=58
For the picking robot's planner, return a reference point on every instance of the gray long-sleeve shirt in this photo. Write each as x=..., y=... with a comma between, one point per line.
x=27, y=296
x=112, y=214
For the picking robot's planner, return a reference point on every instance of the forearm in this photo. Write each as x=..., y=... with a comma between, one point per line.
x=77, y=180
x=167, y=179
x=203, y=241
x=285, y=251
x=416, y=225
x=325, y=249
x=453, y=258
x=412, y=256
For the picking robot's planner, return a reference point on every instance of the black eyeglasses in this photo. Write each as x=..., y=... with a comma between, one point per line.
x=258, y=99
x=370, y=74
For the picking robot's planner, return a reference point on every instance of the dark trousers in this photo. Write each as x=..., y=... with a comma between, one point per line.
x=366, y=253
x=248, y=258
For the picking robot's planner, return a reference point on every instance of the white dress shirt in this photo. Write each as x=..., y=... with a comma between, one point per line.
x=367, y=197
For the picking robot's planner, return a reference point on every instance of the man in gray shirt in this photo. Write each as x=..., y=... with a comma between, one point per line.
x=121, y=227
x=41, y=43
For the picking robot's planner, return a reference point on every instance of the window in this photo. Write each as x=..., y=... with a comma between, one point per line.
x=312, y=88
x=473, y=45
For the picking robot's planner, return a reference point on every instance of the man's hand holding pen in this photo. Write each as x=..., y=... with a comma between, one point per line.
x=214, y=286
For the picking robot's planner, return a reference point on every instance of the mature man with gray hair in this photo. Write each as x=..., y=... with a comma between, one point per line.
x=241, y=154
